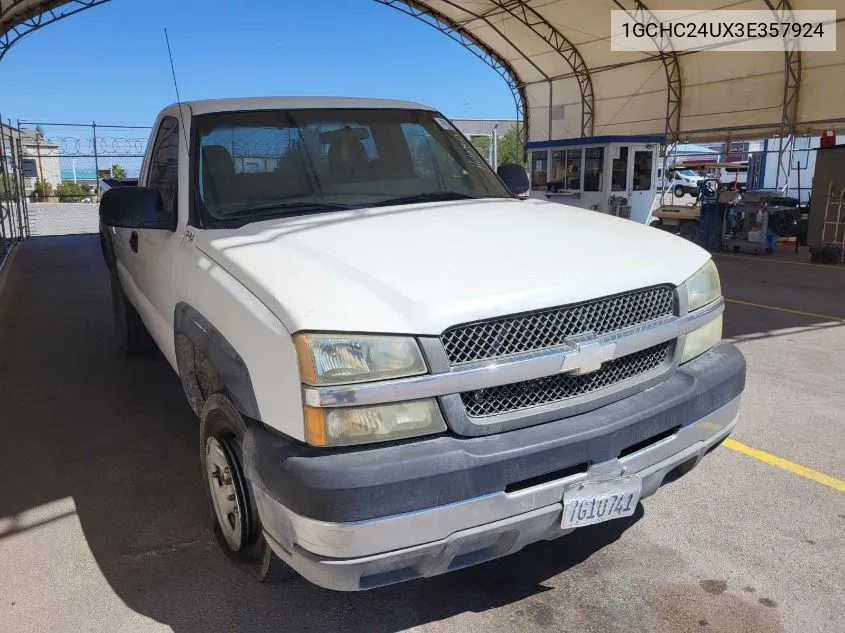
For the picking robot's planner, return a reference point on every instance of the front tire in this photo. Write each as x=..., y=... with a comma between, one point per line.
x=234, y=517
x=679, y=191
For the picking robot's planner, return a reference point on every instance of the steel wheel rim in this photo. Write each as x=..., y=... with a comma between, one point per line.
x=228, y=505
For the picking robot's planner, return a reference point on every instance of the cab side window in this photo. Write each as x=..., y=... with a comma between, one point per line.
x=164, y=162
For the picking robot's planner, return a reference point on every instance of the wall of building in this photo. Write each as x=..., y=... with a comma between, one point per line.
x=47, y=167
x=805, y=160
x=829, y=170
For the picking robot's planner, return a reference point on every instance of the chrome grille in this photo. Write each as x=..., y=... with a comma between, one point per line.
x=560, y=387
x=548, y=328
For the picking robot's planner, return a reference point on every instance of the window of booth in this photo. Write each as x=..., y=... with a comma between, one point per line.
x=642, y=170
x=619, y=175
x=593, y=168
x=558, y=166
x=573, y=170
x=539, y=169
x=566, y=169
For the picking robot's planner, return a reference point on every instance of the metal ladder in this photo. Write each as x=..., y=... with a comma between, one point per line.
x=837, y=201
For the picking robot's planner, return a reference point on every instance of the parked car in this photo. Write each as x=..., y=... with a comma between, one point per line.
x=400, y=368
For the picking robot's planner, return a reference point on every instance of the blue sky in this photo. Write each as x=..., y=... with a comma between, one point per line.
x=110, y=64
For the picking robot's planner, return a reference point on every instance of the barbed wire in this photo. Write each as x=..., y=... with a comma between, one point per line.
x=107, y=146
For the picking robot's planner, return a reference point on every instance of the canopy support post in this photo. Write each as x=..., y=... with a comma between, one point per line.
x=541, y=27
x=791, y=89
x=671, y=67
x=456, y=32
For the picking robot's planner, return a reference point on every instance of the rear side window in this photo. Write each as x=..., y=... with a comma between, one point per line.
x=164, y=163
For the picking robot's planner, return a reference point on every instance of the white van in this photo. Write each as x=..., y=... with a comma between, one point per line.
x=680, y=181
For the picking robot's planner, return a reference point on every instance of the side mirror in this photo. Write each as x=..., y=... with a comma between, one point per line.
x=514, y=177
x=135, y=208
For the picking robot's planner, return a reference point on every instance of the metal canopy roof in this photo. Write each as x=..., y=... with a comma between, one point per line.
x=567, y=83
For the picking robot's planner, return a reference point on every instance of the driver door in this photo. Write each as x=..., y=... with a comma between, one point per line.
x=155, y=249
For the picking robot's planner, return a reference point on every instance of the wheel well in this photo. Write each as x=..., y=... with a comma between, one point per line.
x=208, y=364
x=195, y=372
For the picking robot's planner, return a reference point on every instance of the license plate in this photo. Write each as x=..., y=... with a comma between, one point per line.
x=596, y=501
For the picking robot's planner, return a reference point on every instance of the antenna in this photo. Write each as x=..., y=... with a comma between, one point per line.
x=176, y=86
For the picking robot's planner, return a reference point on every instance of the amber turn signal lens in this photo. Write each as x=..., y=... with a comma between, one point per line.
x=315, y=426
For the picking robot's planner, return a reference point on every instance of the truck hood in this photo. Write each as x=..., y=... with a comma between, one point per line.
x=418, y=269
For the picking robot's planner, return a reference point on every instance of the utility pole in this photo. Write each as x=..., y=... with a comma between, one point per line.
x=495, y=150
x=96, y=161
x=40, y=169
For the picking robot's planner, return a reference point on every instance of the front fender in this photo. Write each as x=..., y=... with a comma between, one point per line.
x=207, y=362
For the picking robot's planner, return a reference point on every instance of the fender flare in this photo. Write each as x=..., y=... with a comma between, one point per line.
x=208, y=363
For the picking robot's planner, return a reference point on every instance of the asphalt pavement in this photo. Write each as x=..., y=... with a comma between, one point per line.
x=103, y=525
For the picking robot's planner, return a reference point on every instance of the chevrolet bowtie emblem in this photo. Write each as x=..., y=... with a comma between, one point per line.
x=589, y=354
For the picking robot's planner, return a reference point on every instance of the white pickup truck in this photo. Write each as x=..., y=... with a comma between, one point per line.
x=401, y=368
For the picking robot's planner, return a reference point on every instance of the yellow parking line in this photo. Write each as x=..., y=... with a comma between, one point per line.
x=801, y=312
x=797, y=469
x=773, y=260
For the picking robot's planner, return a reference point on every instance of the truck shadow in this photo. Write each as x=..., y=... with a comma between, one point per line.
x=117, y=437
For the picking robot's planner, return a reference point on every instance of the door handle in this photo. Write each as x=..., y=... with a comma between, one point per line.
x=133, y=241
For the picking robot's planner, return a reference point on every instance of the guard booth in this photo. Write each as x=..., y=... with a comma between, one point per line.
x=616, y=175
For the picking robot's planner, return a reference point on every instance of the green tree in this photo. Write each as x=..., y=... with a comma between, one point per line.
x=482, y=144
x=117, y=171
x=70, y=191
x=42, y=189
x=8, y=191
x=510, y=147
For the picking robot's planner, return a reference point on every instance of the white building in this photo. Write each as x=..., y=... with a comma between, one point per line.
x=800, y=182
x=39, y=160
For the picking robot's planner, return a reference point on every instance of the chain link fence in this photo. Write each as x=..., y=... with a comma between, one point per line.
x=13, y=212
x=64, y=167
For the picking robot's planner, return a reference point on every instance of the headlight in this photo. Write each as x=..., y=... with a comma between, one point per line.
x=359, y=425
x=703, y=287
x=702, y=339
x=333, y=359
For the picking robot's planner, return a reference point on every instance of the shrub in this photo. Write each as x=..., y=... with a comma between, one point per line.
x=70, y=191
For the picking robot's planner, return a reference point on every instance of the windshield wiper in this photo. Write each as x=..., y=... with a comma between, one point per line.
x=274, y=208
x=431, y=196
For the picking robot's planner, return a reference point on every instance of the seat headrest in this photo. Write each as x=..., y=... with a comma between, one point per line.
x=348, y=159
x=218, y=170
x=217, y=160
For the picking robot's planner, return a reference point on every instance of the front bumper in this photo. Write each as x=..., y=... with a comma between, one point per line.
x=364, y=518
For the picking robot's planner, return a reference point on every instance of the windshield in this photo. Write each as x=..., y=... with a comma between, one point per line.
x=257, y=164
x=689, y=173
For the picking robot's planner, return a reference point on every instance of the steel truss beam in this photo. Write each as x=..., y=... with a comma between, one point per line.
x=542, y=28
x=791, y=90
x=510, y=43
x=671, y=67
x=465, y=38
x=40, y=16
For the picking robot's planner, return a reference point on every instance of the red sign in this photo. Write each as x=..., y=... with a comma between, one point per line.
x=828, y=138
